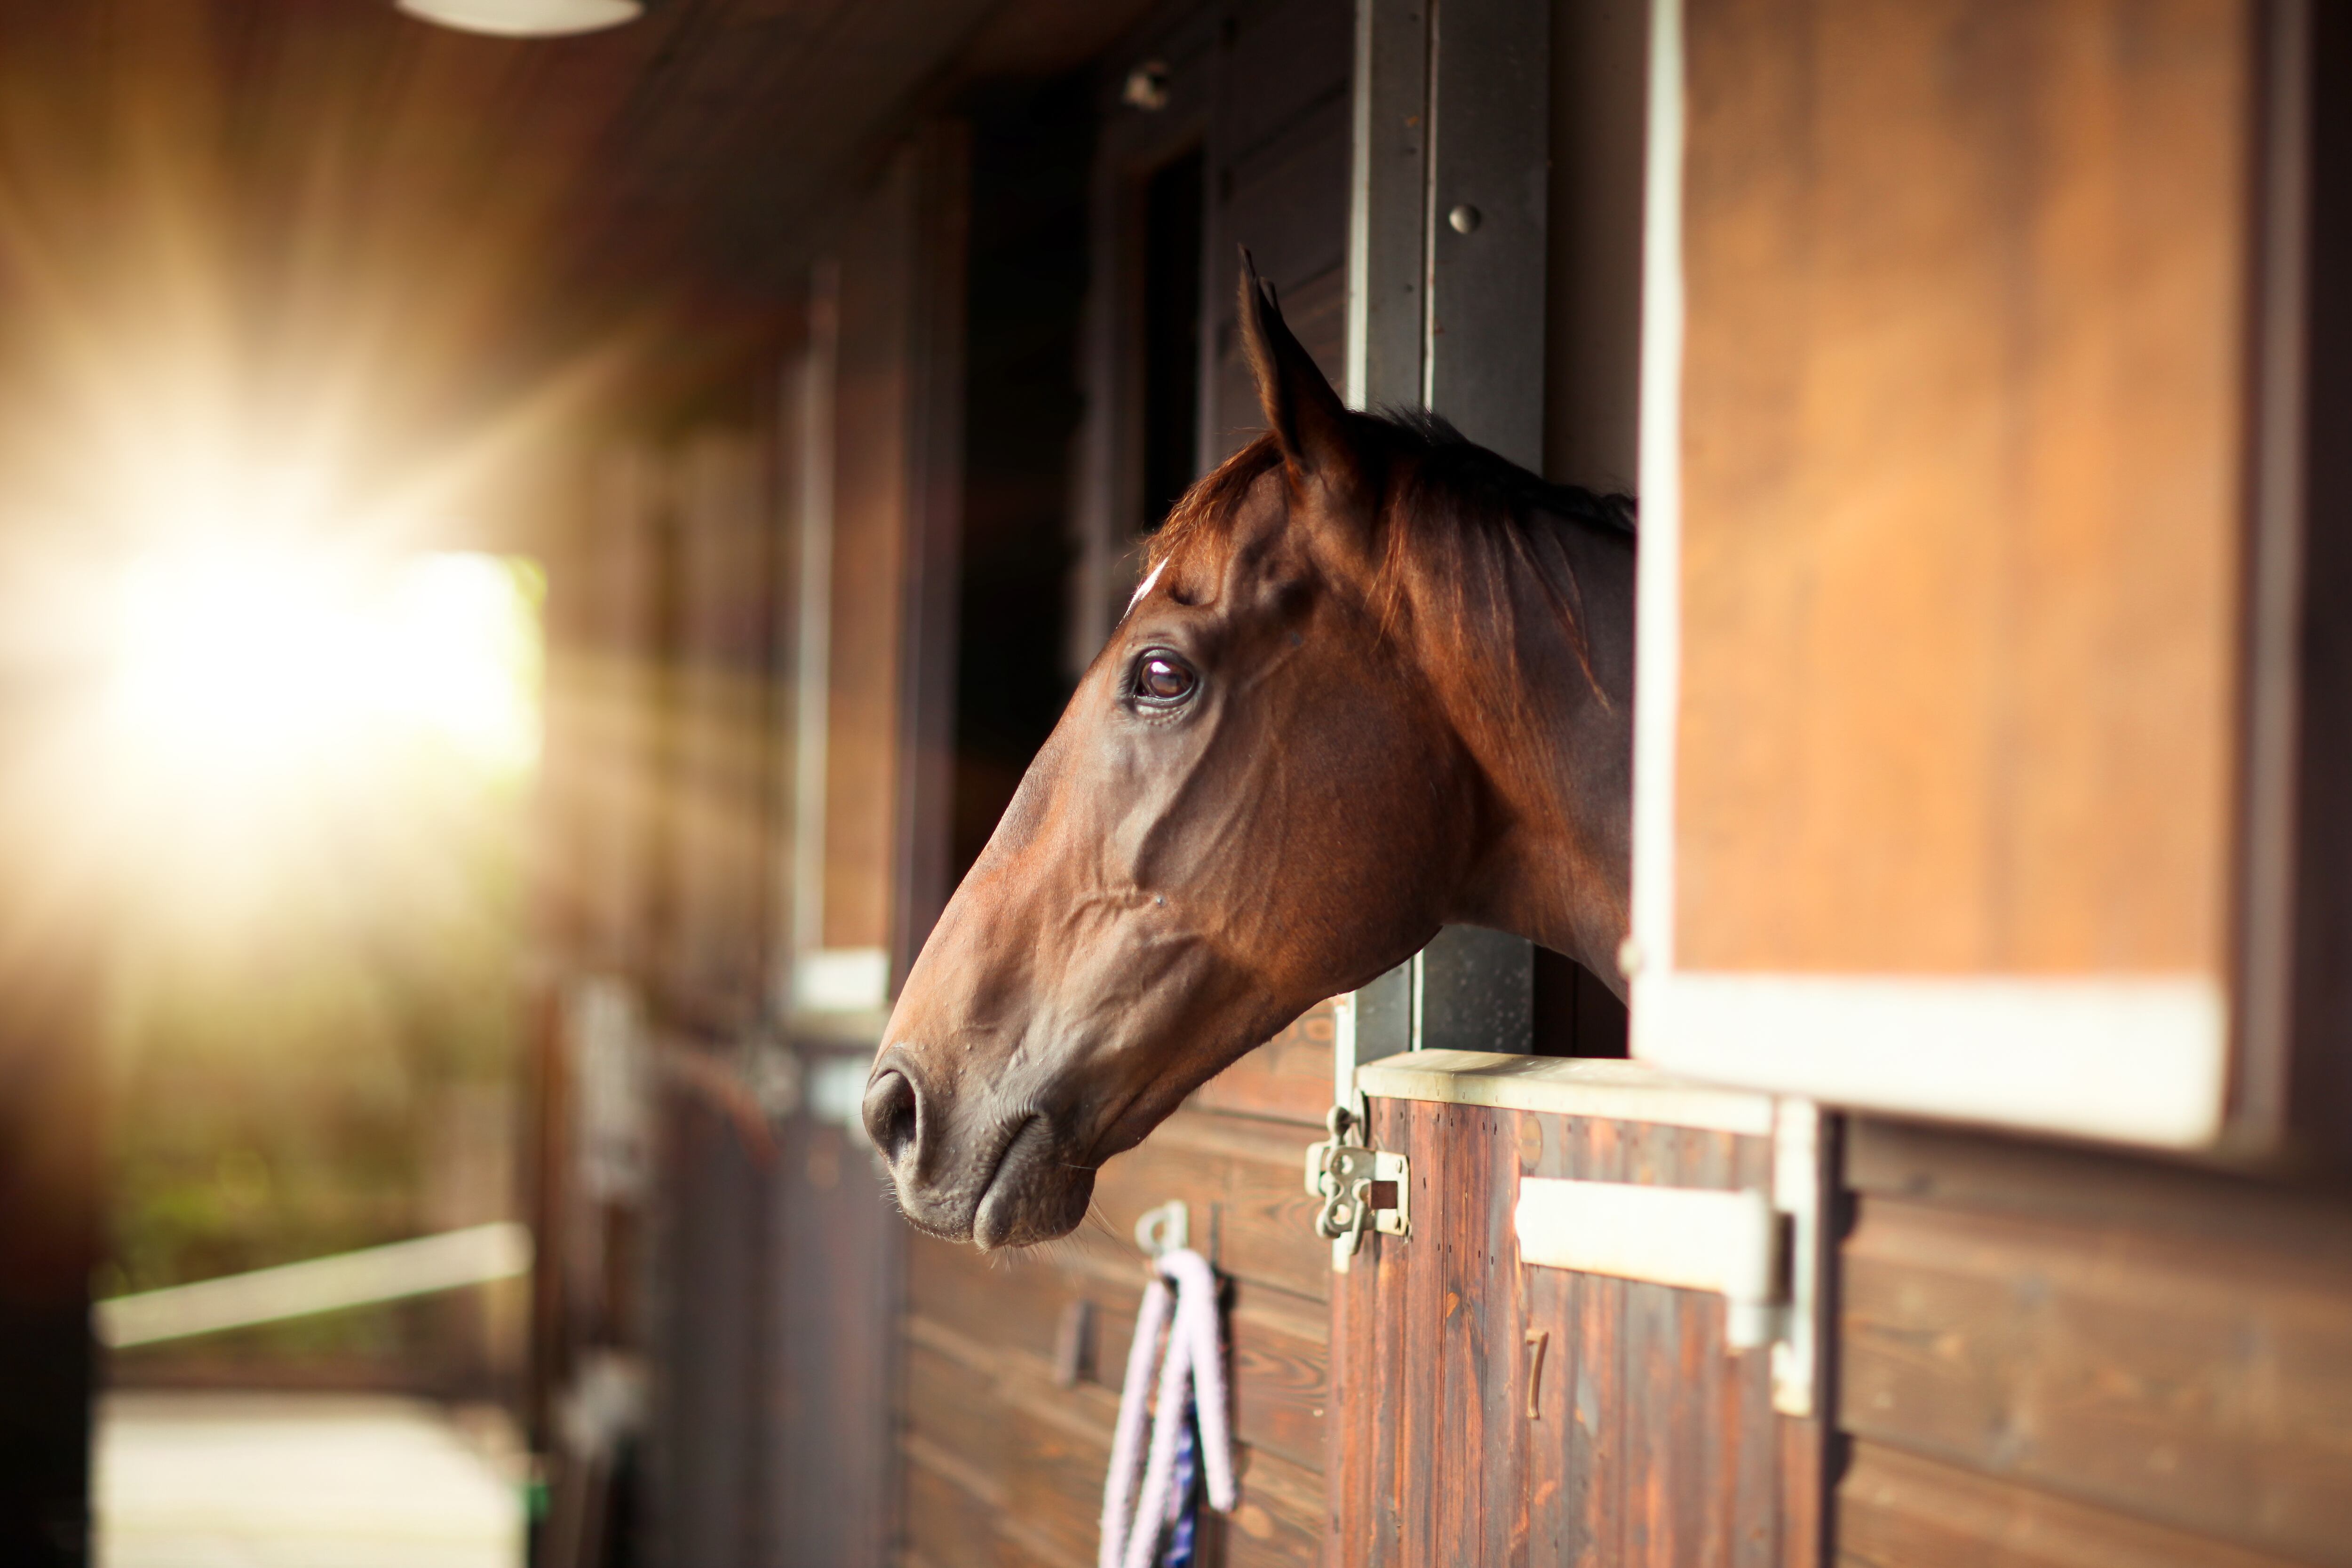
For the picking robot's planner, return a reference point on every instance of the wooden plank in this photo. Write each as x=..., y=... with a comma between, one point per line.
x=2188, y=1381
x=1503, y=1371
x=1550, y=1298
x=1619, y=1090
x=950, y=1405
x=1241, y=1179
x=1963, y=479
x=1287, y=1079
x=1283, y=61
x=1015, y=1302
x=1281, y=1379
x=1479, y=1488
x=1280, y=1518
x=1897, y=1509
x=831, y=1490
x=1756, y=1509
x=872, y=507
x=1650, y=1331
x=1053, y=1487
x=947, y=1524
x=2098, y=1187
x=1599, y=1450
x=1424, y=1449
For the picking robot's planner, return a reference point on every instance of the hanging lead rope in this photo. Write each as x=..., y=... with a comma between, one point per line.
x=1192, y=1382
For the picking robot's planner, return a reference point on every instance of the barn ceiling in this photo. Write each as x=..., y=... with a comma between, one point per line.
x=300, y=176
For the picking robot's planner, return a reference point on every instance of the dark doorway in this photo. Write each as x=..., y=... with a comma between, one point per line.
x=1171, y=334
x=1031, y=152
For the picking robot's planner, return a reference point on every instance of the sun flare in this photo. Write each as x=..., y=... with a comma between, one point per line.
x=258, y=664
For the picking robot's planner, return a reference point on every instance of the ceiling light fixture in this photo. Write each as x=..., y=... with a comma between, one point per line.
x=526, y=19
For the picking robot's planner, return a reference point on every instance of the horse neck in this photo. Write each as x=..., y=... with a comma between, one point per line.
x=1545, y=716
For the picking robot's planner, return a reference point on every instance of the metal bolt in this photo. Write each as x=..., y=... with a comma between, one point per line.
x=1464, y=218
x=1147, y=86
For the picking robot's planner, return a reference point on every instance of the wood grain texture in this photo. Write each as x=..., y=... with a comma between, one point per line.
x=1897, y=1509
x=2186, y=1380
x=1961, y=477
x=981, y=1401
x=838, y=1250
x=1650, y=1445
x=1287, y=1079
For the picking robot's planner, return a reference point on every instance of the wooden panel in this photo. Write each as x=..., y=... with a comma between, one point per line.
x=2099, y=1190
x=1053, y=1493
x=602, y=685
x=838, y=1248
x=1242, y=1177
x=1286, y=61
x=1287, y=1079
x=706, y=1413
x=981, y=1400
x=873, y=464
x=2188, y=1380
x=1651, y=1445
x=723, y=784
x=950, y=1523
x=1961, y=478
x=1278, y=171
x=1899, y=1510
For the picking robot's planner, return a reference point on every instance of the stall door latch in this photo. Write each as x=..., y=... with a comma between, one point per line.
x=1360, y=1188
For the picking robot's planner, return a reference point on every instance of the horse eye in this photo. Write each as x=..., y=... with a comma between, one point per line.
x=1164, y=679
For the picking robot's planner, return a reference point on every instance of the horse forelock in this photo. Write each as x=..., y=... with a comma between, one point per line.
x=1456, y=524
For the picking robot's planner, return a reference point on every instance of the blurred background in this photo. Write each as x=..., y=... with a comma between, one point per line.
x=539, y=537
x=536, y=537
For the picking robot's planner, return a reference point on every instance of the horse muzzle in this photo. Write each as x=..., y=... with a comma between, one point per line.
x=996, y=1180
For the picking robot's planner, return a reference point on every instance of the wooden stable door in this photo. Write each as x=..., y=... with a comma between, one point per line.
x=1492, y=1410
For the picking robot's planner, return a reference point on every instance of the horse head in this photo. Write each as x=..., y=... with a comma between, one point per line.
x=1288, y=766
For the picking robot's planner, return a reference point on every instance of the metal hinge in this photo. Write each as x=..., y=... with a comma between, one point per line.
x=1359, y=1187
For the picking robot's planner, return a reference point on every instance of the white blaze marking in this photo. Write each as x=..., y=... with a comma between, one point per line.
x=1145, y=586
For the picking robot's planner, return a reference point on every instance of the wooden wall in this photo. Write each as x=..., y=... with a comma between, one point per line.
x=1963, y=485
x=873, y=469
x=725, y=796
x=2050, y=1356
x=1635, y=1439
x=1003, y=1463
x=1279, y=184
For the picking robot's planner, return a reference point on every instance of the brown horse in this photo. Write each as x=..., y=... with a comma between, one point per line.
x=1377, y=679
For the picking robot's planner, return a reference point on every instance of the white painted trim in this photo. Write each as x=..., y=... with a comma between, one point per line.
x=1657, y=650
x=1694, y=1238
x=1566, y=1086
x=1343, y=1052
x=1357, y=375
x=2140, y=1060
x=842, y=980
x=450, y=1260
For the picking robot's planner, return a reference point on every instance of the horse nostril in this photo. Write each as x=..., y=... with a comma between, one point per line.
x=890, y=1114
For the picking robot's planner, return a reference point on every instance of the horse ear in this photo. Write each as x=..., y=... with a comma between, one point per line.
x=1304, y=415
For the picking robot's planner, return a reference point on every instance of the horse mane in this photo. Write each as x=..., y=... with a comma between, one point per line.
x=1460, y=519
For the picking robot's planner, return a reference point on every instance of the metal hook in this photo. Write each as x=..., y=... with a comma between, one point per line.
x=1165, y=1229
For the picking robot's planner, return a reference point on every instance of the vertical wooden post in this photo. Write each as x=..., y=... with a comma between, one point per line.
x=1446, y=259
